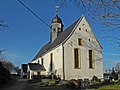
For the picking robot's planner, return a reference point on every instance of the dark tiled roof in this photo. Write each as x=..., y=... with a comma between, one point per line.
x=57, y=41
x=24, y=67
x=42, y=51
x=36, y=67
x=56, y=19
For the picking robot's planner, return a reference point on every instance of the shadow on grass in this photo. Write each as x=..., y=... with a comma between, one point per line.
x=96, y=86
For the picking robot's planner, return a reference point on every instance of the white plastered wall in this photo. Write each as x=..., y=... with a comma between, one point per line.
x=57, y=61
x=72, y=42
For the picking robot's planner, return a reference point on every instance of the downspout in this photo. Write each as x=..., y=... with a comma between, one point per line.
x=63, y=62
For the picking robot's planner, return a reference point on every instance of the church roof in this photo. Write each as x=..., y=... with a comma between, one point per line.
x=60, y=39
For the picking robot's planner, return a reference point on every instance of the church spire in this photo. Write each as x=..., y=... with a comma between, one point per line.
x=56, y=26
x=57, y=7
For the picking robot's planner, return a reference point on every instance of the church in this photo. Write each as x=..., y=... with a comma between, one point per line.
x=73, y=53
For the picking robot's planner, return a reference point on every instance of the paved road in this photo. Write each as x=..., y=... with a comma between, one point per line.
x=19, y=85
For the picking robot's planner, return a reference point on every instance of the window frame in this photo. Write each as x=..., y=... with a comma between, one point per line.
x=91, y=59
x=80, y=42
x=51, y=62
x=77, y=64
x=42, y=61
x=80, y=29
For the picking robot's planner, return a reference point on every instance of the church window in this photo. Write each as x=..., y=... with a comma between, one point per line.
x=76, y=58
x=54, y=29
x=42, y=61
x=79, y=28
x=91, y=59
x=79, y=41
x=51, y=62
x=59, y=29
x=89, y=39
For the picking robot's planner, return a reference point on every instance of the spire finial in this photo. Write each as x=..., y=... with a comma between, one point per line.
x=57, y=7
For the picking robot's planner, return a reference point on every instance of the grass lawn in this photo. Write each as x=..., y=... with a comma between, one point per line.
x=110, y=87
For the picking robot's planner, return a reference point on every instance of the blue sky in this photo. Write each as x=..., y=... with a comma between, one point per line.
x=26, y=34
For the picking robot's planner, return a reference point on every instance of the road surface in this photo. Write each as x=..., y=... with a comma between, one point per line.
x=20, y=84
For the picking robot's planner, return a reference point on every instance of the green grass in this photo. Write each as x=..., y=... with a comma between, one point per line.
x=110, y=87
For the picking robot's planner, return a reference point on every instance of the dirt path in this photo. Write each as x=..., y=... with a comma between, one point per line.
x=19, y=85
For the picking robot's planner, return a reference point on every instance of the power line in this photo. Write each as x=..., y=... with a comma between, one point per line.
x=33, y=13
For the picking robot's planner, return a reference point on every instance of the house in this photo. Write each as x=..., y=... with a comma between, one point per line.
x=24, y=70
x=73, y=53
x=106, y=76
x=34, y=70
x=119, y=76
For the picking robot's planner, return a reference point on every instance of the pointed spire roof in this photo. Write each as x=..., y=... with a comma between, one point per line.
x=56, y=19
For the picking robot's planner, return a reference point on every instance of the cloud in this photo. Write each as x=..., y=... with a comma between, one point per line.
x=15, y=57
x=13, y=54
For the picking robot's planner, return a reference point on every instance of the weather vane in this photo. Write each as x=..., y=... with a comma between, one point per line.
x=57, y=7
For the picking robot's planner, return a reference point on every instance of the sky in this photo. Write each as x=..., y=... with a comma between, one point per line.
x=26, y=34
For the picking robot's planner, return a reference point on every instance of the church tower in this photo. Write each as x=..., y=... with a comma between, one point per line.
x=56, y=27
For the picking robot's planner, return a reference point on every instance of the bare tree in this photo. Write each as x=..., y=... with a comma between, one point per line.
x=8, y=65
x=1, y=55
x=107, y=12
x=117, y=67
x=2, y=25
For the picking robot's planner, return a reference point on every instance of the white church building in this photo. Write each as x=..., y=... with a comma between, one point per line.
x=73, y=53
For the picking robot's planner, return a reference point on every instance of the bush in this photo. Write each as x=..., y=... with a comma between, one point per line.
x=5, y=76
x=74, y=83
x=52, y=82
x=95, y=79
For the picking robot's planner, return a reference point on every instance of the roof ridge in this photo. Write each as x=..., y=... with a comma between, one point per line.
x=60, y=39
